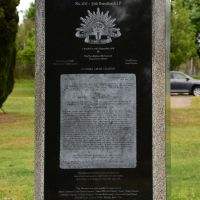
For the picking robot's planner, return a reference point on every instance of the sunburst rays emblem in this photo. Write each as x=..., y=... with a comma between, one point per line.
x=98, y=28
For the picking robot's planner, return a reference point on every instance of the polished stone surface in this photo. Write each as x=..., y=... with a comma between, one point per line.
x=160, y=34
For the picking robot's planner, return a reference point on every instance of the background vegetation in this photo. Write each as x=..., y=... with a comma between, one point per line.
x=8, y=30
x=185, y=151
x=26, y=45
x=185, y=36
x=17, y=144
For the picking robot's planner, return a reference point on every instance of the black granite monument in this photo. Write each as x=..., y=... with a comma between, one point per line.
x=98, y=100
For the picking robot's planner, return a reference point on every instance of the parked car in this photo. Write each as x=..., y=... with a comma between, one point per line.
x=182, y=83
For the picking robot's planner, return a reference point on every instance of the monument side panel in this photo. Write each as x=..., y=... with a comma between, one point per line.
x=39, y=100
x=159, y=85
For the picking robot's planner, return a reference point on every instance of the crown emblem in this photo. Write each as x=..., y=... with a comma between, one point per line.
x=98, y=28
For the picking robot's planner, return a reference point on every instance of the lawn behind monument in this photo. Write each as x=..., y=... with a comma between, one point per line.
x=17, y=144
x=17, y=147
x=185, y=145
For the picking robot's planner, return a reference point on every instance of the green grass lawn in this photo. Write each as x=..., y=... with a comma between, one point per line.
x=196, y=77
x=185, y=152
x=17, y=147
x=17, y=144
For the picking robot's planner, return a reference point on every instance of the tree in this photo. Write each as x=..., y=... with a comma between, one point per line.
x=8, y=30
x=194, y=10
x=26, y=42
x=30, y=13
x=183, y=35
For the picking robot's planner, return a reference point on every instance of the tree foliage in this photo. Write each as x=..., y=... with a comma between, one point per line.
x=194, y=9
x=30, y=13
x=26, y=41
x=183, y=35
x=8, y=30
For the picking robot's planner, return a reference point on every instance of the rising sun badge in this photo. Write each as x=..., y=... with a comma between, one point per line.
x=98, y=28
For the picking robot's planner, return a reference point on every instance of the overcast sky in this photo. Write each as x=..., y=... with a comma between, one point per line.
x=24, y=5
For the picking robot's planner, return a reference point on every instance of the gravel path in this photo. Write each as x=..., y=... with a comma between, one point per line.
x=181, y=101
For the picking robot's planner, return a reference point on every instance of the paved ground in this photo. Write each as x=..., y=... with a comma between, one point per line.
x=181, y=101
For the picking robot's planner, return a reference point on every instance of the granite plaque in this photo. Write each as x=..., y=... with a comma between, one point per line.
x=98, y=121
x=98, y=105
x=100, y=99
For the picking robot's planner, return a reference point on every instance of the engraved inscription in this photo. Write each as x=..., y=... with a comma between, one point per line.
x=98, y=121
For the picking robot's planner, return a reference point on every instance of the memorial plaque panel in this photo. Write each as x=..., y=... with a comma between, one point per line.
x=98, y=121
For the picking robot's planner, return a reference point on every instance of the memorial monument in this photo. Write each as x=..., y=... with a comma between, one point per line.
x=100, y=99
